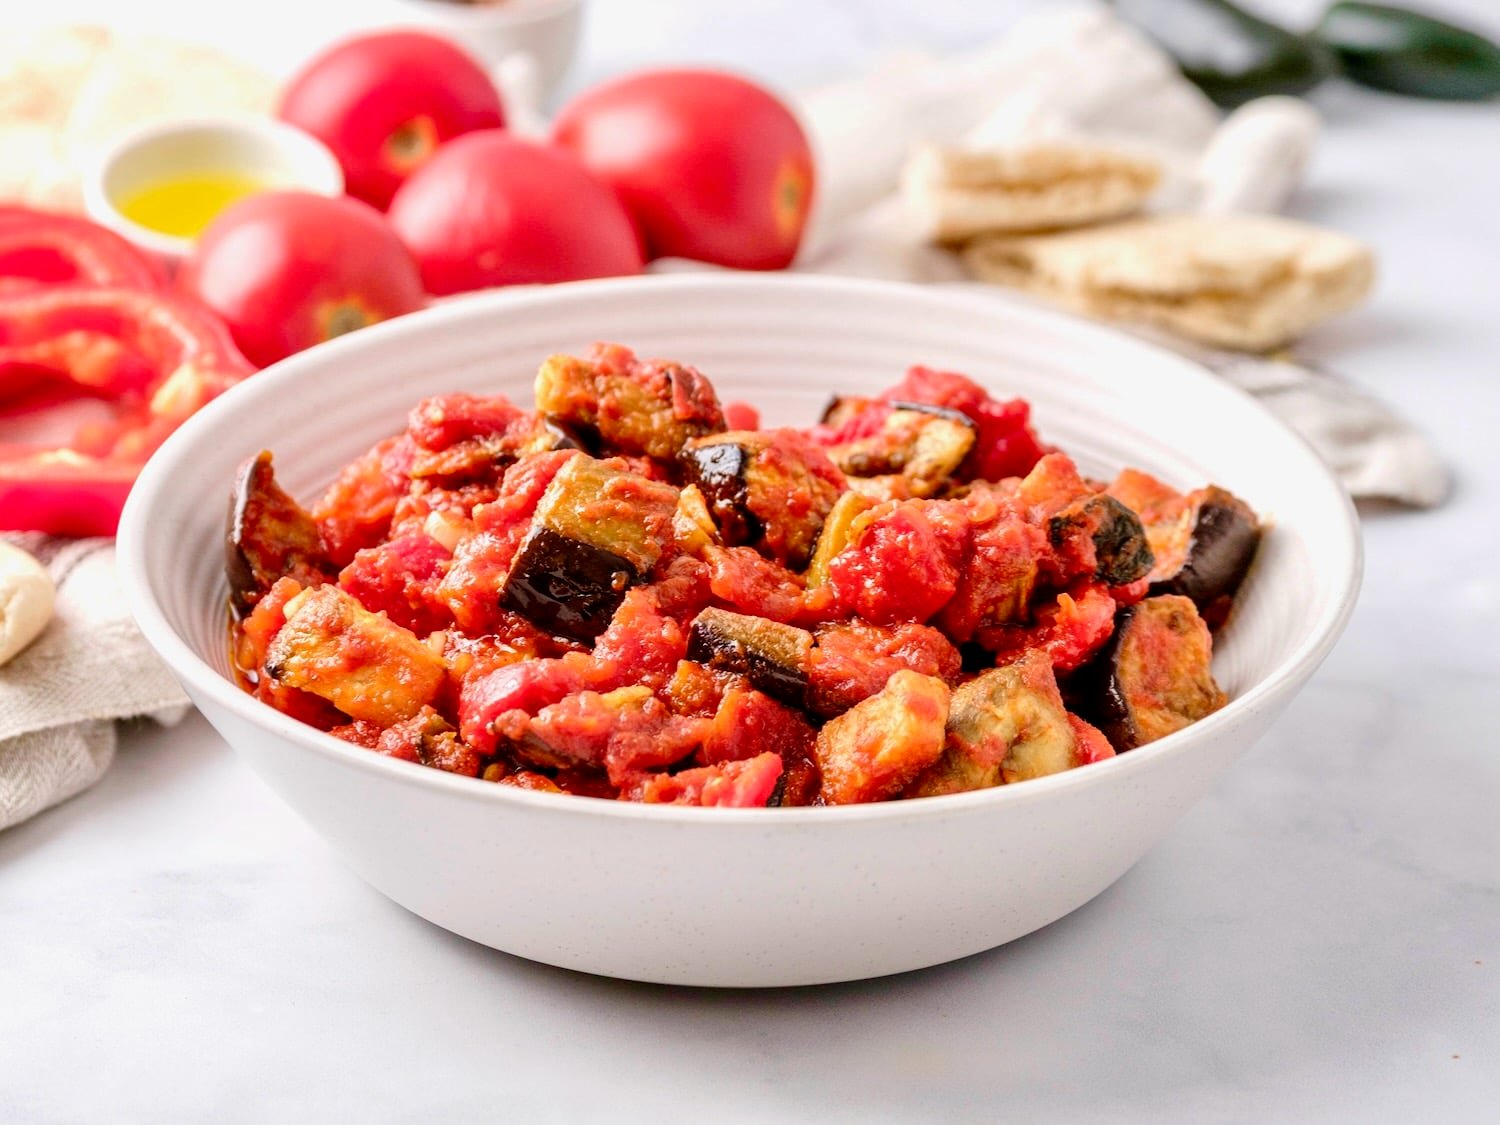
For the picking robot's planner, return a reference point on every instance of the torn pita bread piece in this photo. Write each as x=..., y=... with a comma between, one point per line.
x=1248, y=282
x=66, y=92
x=959, y=193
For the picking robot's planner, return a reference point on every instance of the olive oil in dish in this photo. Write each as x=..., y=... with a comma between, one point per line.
x=184, y=206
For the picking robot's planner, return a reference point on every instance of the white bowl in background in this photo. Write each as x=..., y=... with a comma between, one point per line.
x=549, y=31
x=275, y=154
x=747, y=897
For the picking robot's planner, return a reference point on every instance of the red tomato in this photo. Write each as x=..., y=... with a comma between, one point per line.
x=491, y=209
x=385, y=102
x=710, y=166
x=289, y=269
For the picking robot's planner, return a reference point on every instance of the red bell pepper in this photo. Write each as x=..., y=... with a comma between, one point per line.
x=39, y=248
x=153, y=358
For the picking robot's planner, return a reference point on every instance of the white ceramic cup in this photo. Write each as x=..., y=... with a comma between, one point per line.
x=276, y=154
x=548, y=31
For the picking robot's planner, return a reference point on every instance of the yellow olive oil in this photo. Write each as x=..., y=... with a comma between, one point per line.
x=183, y=207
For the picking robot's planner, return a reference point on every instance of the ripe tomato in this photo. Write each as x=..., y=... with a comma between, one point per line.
x=492, y=209
x=710, y=166
x=289, y=269
x=383, y=103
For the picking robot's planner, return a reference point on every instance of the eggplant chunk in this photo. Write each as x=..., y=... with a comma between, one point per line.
x=1203, y=543
x=652, y=408
x=877, y=748
x=767, y=489
x=772, y=656
x=1219, y=535
x=1153, y=677
x=923, y=444
x=269, y=536
x=596, y=532
x=363, y=663
x=1121, y=550
x=1005, y=725
x=837, y=533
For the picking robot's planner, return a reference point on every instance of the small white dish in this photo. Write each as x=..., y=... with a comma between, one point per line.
x=548, y=31
x=269, y=151
x=748, y=897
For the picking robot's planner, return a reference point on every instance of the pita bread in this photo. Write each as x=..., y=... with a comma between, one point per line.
x=1249, y=282
x=959, y=194
x=66, y=93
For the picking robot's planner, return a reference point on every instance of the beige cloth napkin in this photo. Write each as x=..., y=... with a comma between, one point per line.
x=60, y=697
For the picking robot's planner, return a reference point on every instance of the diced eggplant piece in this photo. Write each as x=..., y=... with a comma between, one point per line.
x=1153, y=677
x=478, y=459
x=653, y=408
x=572, y=435
x=772, y=656
x=1121, y=550
x=1209, y=554
x=842, y=409
x=363, y=663
x=269, y=536
x=721, y=468
x=1203, y=543
x=767, y=489
x=873, y=751
x=463, y=437
x=923, y=444
x=837, y=533
x=1005, y=725
x=596, y=532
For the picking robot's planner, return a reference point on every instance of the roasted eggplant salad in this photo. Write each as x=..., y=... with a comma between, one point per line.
x=635, y=592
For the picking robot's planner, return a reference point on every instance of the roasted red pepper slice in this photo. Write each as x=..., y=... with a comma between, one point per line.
x=154, y=359
x=40, y=248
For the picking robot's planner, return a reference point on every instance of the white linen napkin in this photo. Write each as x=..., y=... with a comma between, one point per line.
x=60, y=697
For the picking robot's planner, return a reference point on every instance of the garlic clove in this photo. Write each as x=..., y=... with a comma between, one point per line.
x=27, y=596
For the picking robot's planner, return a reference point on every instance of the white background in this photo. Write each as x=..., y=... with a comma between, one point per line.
x=1319, y=940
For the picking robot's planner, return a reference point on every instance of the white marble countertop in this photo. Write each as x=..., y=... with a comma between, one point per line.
x=1318, y=941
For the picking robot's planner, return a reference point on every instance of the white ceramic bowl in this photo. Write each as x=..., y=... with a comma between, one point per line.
x=548, y=31
x=756, y=896
x=273, y=153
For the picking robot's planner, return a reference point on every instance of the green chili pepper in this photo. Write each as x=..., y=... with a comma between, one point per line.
x=1231, y=55
x=1408, y=53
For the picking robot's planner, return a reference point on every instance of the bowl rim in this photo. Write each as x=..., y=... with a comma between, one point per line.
x=196, y=673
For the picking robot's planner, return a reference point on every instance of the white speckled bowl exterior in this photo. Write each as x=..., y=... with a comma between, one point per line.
x=754, y=897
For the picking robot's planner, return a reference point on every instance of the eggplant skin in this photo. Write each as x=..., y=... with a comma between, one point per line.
x=772, y=656
x=720, y=468
x=1153, y=677
x=566, y=586
x=596, y=532
x=1120, y=546
x=1220, y=549
x=269, y=536
x=767, y=489
x=922, y=444
x=572, y=435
